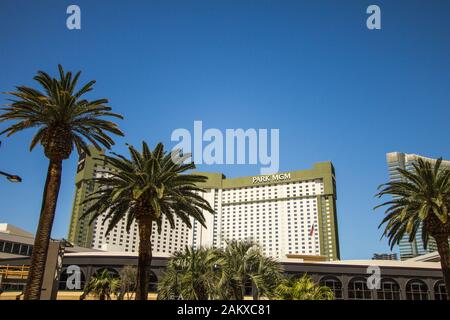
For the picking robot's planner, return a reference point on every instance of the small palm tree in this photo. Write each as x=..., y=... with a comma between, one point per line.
x=148, y=188
x=191, y=274
x=420, y=198
x=127, y=282
x=266, y=276
x=242, y=262
x=103, y=285
x=303, y=289
x=64, y=120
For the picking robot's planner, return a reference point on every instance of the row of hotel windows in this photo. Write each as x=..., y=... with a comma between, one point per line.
x=16, y=248
x=225, y=218
x=270, y=197
x=305, y=183
x=255, y=191
x=416, y=289
x=158, y=242
x=114, y=234
x=228, y=211
x=306, y=202
x=119, y=236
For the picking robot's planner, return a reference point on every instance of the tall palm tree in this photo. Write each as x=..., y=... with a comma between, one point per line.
x=148, y=188
x=191, y=274
x=420, y=198
x=63, y=119
x=103, y=285
x=303, y=289
x=242, y=263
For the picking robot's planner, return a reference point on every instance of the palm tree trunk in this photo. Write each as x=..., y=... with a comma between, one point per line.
x=444, y=253
x=44, y=230
x=145, y=257
x=255, y=292
x=242, y=290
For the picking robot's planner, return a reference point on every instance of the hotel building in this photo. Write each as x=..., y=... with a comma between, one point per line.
x=290, y=215
x=396, y=160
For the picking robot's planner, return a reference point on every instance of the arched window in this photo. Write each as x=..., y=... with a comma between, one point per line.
x=334, y=284
x=416, y=290
x=439, y=291
x=389, y=290
x=112, y=272
x=358, y=290
x=72, y=284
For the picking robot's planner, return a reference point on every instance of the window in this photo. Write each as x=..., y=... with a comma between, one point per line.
x=24, y=250
x=439, y=291
x=334, y=284
x=358, y=290
x=416, y=290
x=8, y=247
x=390, y=290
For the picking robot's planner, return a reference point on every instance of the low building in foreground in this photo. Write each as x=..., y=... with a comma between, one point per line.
x=15, y=242
x=398, y=280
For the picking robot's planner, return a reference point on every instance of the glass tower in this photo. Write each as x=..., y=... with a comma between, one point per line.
x=396, y=160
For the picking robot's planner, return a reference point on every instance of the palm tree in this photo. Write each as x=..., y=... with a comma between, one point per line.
x=102, y=285
x=148, y=188
x=420, y=198
x=266, y=276
x=127, y=282
x=191, y=274
x=242, y=263
x=63, y=119
x=303, y=289
x=200, y=274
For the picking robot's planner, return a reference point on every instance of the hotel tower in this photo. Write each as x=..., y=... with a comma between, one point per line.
x=290, y=214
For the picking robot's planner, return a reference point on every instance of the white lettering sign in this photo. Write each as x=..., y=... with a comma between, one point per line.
x=271, y=178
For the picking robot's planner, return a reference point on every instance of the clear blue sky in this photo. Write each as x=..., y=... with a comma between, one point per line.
x=336, y=90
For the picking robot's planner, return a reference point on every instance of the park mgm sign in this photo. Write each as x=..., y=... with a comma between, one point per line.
x=271, y=178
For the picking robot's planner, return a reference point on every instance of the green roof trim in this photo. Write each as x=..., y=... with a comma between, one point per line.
x=321, y=170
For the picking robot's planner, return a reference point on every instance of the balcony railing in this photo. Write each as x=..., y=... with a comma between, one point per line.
x=8, y=272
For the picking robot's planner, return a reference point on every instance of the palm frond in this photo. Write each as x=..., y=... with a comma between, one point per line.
x=421, y=197
x=63, y=119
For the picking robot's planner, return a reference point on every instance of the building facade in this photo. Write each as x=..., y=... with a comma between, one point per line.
x=80, y=232
x=399, y=280
x=15, y=242
x=396, y=160
x=290, y=214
